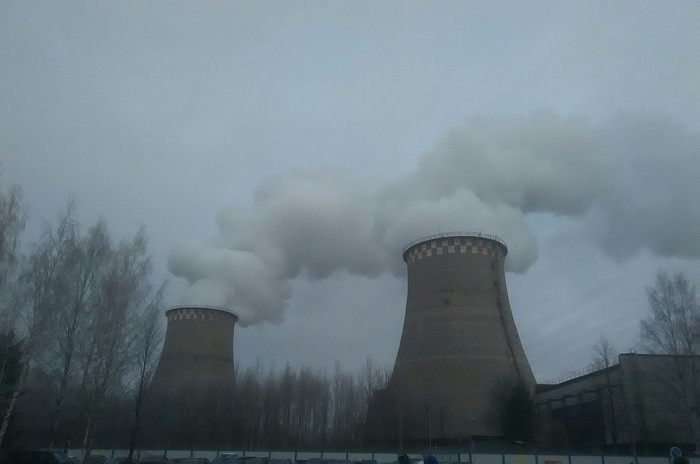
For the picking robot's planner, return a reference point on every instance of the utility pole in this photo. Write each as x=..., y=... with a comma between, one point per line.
x=471, y=441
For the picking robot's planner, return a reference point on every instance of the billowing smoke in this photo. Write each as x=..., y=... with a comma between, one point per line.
x=633, y=179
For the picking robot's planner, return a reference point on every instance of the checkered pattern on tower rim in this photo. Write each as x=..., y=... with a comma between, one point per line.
x=201, y=314
x=454, y=245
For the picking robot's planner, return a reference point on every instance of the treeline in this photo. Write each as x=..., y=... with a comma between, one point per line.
x=81, y=328
x=270, y=409
x=288, y=408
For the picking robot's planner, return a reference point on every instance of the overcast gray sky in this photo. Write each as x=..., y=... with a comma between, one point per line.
x=281, y=154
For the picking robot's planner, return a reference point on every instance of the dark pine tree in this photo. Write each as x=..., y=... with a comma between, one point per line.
x=518, y=414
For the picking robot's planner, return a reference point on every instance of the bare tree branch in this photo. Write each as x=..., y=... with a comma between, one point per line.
x=672, y=328
x=35, y=298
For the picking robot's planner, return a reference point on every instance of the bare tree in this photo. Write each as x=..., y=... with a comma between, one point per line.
x=270, y=433
x=288, y=385
x=149, y=337
x=348, y=408
x=80, y=276
x=672, y=328
x=34, y=298
x=12, y=221
x=123, y=289
x=604, y=357
x=371, y=378
x=604, y=353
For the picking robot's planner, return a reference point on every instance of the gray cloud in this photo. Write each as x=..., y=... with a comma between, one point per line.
x=650, y=201
x=537, y=163
x=159, y=114
x=485, y=176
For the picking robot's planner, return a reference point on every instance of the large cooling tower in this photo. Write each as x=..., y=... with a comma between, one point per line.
x=459, y=340
x=198, y=348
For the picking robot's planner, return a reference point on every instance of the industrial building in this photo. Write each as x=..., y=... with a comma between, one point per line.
x=644, y=401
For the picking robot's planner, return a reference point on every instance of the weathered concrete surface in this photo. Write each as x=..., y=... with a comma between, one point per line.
x=198, y=348
x=459, y=339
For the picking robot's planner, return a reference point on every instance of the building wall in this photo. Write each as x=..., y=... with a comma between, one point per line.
x=580, y=411
x=647, y=406
x=656, y=396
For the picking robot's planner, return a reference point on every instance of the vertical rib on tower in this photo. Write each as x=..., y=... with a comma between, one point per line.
x=459, y=338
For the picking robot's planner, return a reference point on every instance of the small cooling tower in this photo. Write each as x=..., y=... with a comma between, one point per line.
x=191, y=394
x=459, y=339
x=198, y=348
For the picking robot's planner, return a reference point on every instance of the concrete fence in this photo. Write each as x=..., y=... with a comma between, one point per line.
x=392, y=457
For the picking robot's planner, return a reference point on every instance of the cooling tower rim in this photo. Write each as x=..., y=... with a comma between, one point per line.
x=212, y=308
x=429, y=238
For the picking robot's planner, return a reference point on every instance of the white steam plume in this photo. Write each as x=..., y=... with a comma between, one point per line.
x=634, y=178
